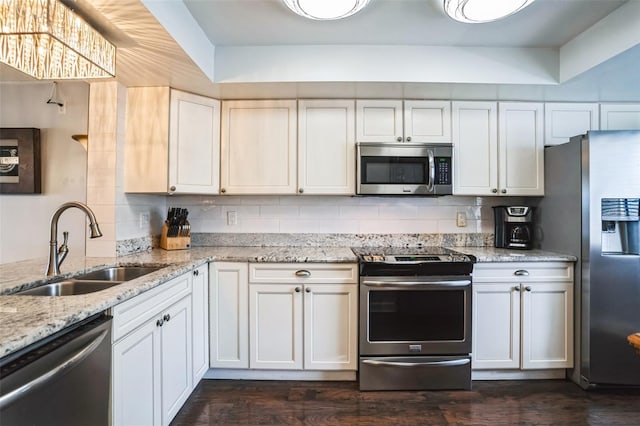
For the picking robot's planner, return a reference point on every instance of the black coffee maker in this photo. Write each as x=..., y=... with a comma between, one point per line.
x=513, y=227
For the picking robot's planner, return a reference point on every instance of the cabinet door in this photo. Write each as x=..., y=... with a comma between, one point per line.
x=564, y=120
x=520, y=149
x=258, y=147
x=275, y=326
x=427, y=121
x=331, y=327
x=496, y=326
x=620, y=117
x=229, y=315
x=136, y=392
x=176, y=358
x=475, y=148
x=547, y=325
x=379, y=120
x=200, y=323
x=326, y=147
x=194, y=144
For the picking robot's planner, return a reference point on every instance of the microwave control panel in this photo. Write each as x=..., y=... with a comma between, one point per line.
x=443, y=170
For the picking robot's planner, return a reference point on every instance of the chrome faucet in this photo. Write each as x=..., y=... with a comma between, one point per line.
x=57, y=255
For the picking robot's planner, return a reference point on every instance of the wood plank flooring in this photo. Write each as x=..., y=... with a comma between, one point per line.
x=536, y=402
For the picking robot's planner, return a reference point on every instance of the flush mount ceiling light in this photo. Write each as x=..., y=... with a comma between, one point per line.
x=325, y=10
x=47, y=40
x=479, y=11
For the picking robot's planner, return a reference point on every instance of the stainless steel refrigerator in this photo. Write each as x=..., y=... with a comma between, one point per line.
x=590, y=210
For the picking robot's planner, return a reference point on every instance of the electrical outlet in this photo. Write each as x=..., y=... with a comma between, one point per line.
x=461, y=219
x=232, y=218
x=144, y=220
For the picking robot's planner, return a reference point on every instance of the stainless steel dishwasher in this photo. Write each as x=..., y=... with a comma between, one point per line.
x=63, y=380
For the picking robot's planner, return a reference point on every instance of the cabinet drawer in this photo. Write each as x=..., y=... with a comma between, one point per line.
x=130, y=314
x=279, y=273
x=523, y=271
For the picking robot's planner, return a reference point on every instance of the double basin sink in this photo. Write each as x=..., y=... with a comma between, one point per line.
x=90, y=282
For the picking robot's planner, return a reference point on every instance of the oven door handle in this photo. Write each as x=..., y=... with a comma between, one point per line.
x=446, y=363
x=414, y=284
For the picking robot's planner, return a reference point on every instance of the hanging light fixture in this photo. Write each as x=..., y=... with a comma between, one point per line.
x=479, y=11
x=47, y=40
x=325, y=10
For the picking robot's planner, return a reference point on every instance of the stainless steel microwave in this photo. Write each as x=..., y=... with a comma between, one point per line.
x=404, y=169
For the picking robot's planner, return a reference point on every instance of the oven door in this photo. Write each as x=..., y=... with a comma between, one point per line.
x=415, y=315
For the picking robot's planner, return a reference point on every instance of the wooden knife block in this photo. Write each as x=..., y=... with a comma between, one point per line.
x=174, y=243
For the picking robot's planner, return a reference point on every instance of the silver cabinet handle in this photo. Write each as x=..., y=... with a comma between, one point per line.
x=223, y=190
x=504, y=191
x=408, y=138
x=159, y=322
x=494, y=190
x=447, y=363
x=521, y=273
x=167, y=317
x=307, y=289
x=298, y=289
x=172, y=188
x=516, y=288
x=66, y=365
x=527, y=288
x=399, y=138
x=303, y=273
x=196, y=273
x=301, y=190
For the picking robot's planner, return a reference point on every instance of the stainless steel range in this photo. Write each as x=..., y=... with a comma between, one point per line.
x=415, y=319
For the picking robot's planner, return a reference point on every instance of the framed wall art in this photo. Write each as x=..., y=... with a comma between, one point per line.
x=19, y=161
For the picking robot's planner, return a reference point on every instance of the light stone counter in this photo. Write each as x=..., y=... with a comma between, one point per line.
x=491, y=254
x=26, y=319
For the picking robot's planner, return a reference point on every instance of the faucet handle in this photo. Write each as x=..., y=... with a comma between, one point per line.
x=65, y=238
x=63, y=249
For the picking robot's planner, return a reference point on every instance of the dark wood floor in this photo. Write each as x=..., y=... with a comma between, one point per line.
x=537, y=402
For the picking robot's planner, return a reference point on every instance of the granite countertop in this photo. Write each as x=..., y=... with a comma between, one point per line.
x=26, y=319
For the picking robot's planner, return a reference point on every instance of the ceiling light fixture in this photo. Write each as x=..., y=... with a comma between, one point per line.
x=47, y=40
x=479, y=11
x=325, y=10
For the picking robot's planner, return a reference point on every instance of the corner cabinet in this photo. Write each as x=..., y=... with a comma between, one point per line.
x=619, y=116
x=159, y=350
x=498, y=148
x=172, y=142
x=414, y=121
x=258, y=147
x=565, y=120
x=522, y=317
x=326, y=147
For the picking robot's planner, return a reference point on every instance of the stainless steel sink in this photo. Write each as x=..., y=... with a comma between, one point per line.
x=118, y=273
x=90, y=282
x=69, y=288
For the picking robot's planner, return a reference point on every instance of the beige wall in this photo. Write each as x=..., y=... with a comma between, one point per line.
x=24, y=219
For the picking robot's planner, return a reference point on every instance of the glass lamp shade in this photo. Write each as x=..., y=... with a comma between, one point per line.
x=325, y=10
x=480, y=11
x=47, y=40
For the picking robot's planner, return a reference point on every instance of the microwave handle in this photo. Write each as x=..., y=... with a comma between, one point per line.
x=432, y=171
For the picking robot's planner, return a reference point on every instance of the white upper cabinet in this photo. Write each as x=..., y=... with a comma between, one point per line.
x=564, y=120
x=258, y=147
x=172, y=142
x=475, y=148
x=397, y=121
x=498, y=148
x=326, y=147
x=620, y=117
x=427, y=121
x=520, y=148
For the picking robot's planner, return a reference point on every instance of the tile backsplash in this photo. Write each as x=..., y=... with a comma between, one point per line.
x=339, y=214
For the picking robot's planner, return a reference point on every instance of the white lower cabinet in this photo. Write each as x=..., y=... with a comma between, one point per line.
x=303, y=316
x=228, y=315
x=275, y=316
x=153, y=352
x=522, y=316
x=200, y=322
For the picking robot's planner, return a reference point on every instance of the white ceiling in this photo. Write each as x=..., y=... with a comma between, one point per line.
x=226, y=40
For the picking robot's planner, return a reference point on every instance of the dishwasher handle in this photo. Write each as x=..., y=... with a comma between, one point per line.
x=413, y=284
x=66, y=364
